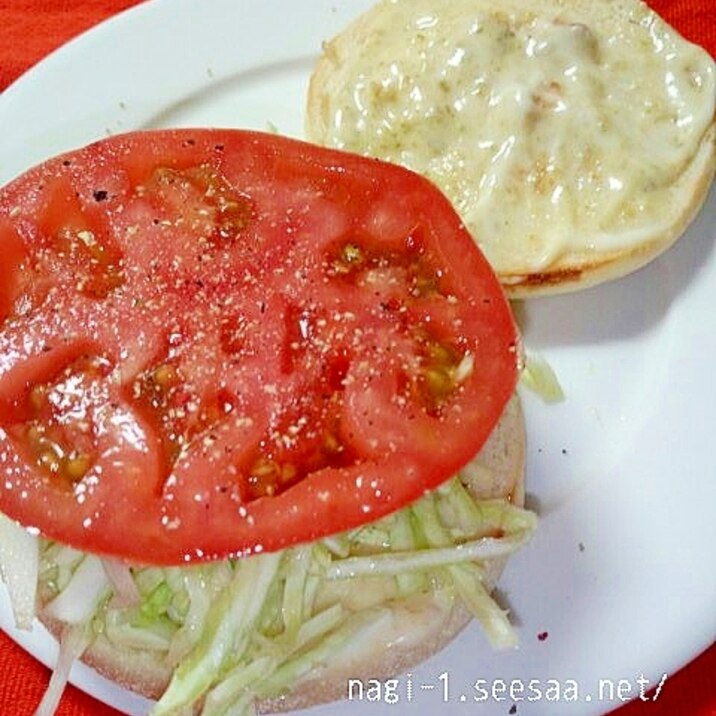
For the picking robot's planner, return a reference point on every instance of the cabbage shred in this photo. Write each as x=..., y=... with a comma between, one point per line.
x=238, y=630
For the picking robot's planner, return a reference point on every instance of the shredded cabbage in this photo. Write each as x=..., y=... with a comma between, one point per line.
x=228, y=626
x=19, y=568
x=238, y=630
x=77, y=603
x=539, y=377
x=73, y=642
x=403, y=563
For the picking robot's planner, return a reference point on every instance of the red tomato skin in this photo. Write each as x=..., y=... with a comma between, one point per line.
x=278, y=325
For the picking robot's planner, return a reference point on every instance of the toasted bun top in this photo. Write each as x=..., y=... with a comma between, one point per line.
x=574, y=137
x=410, y=631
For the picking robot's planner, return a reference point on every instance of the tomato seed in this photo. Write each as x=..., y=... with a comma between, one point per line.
x=352, y=254
x=439, y=382
x=75, y=468
x=165, y=377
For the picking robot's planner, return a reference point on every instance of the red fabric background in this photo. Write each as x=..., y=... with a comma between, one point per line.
x=29, y=30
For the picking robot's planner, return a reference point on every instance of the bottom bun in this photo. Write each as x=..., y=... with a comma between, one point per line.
x=411, y=630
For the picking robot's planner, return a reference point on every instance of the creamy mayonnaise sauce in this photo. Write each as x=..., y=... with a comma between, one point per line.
x=547, y=135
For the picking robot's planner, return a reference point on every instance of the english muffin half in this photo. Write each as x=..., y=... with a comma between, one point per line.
x=575, y=139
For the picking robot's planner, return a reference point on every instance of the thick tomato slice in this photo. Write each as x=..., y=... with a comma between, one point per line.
x=218, y=343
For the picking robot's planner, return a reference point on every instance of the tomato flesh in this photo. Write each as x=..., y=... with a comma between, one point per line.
x=218, y=342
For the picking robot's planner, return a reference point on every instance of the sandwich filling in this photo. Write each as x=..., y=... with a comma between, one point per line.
x=238, y=376
x=228, y=633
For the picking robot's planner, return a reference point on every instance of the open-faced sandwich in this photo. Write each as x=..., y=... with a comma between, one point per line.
x=574, y=137
x=258, y=432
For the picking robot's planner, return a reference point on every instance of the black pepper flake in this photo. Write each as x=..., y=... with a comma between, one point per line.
x=188, y=142
x=580, y=546
x=513, y=709
x=564, y=451
x=542, y=636
x=46, y=349
x=219, y=147
x=66, y=163
x=100, y=195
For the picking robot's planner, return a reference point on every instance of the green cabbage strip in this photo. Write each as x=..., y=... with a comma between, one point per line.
x=227, y=630
x=238, y=630
x=466, y=576
x=293, y=607
x=440, y=553
x=234, y=694
x=294, y=668
x=539, y=377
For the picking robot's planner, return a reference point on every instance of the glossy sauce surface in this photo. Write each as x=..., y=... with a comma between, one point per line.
x=529, y=122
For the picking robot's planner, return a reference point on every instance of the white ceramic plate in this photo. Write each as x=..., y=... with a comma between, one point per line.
x=621, y=573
